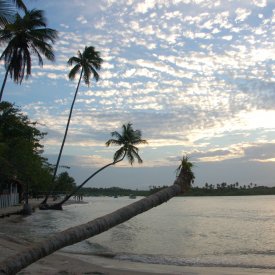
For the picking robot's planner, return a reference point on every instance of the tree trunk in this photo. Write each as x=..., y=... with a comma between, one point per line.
x=79, y=233
x=4, y=84
x=63, y=142
x=58, y=206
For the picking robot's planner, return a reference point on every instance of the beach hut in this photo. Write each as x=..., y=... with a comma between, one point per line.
x=10, y=193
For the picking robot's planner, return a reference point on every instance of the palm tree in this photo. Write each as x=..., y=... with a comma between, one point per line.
x=84, y=231
x=24, y=36
x=7, y=10
x=88, y=63
x=128, y=140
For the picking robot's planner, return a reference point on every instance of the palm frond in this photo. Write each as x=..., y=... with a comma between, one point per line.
x=127, y=139
x=20, y=4
x=113, y=142
x=117, y=135
x=137, y=156
x=119, y=154
x=74, y=60
x=74, y=71
x=130, y=157
x=86, y=74
x=26, y=35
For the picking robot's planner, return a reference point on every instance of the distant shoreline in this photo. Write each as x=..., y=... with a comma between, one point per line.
x=194, y=191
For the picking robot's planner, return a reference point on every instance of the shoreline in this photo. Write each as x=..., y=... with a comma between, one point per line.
x=73, y=263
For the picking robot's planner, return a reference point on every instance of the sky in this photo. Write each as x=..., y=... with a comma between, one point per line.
x=195, y=76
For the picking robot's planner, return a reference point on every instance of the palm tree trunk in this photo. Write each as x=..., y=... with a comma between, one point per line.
x=4, y=83
x=63, y=142
x=82, y=232
x=58, y=206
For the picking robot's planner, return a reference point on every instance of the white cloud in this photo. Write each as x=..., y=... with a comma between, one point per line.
x=260, y=3
x=81, y=19
x=144, y=6
x=242, y=14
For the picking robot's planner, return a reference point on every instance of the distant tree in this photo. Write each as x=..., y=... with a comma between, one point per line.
x=25, y=36
x=206, y=185
x=88, y=64
x=64, y=182
x=223, y=185
x=128, y=140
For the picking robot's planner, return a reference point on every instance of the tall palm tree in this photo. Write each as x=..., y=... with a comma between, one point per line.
x=87, y=63
x=7, y=10
x=24, y=36
x=128, y=140
x=84, y=231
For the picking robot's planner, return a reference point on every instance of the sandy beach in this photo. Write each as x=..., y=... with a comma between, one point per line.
x=67, y=263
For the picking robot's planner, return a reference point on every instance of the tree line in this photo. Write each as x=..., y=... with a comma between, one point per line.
x=223, y=189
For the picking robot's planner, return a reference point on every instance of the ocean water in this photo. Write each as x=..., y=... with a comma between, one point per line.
x=192, y=231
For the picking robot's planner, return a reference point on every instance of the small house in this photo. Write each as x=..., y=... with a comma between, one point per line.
x=10, y=193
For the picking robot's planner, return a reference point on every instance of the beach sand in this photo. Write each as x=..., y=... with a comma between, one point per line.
x=67, y=263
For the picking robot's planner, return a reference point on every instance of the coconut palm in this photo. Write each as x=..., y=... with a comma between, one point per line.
x=84, y=231
x=88, y=64
x=25, y=36
x=7, y=10
x=128, y=140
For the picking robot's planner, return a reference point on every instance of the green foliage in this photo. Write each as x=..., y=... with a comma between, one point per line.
x=20, y=150
x=89, y=62
x=128, y=140
x=235, y=189
x=23, y=37
x=7, y=10
x=64, y=183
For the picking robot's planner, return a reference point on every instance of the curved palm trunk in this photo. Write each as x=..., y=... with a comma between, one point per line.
x=4, y=84
x=79, y=233
x=58, y=206
x=63, y=142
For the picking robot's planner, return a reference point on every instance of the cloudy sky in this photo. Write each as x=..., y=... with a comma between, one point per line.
x=195, y=76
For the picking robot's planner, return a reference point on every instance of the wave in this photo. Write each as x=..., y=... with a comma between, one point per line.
x=237, y=260
x=167, y=260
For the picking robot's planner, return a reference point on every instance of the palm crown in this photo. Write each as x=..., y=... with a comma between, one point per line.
x=89, y=62
x=26, y=35
x=186, y=167
x=128, y=140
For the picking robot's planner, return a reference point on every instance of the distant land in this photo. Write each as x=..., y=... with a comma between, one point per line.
x=208, y=190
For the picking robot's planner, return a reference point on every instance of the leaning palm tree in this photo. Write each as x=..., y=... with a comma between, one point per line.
x=128, y=140
x=84, y=231
x=25, y=36
x=7, y=10
x=87, y=63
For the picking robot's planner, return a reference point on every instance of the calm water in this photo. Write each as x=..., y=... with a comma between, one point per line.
x=200, y=231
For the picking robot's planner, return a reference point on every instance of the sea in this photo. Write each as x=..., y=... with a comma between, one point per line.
x=234, y=231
